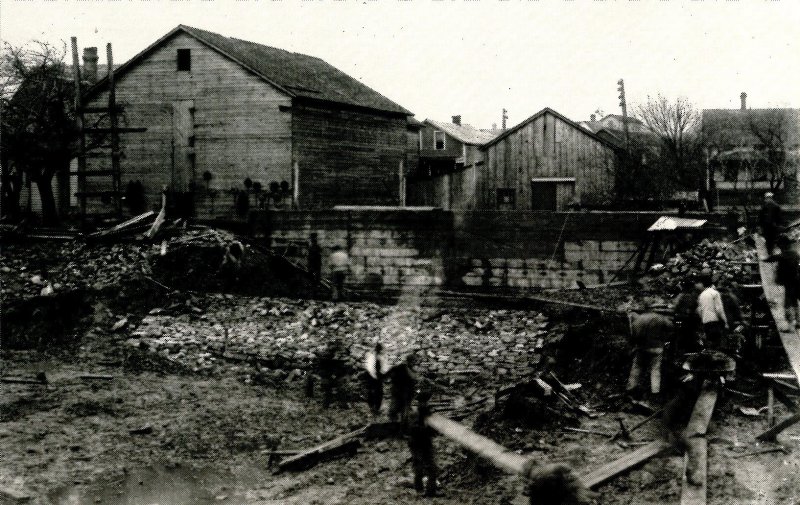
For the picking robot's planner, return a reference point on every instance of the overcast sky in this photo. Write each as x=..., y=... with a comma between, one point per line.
x=440, y=58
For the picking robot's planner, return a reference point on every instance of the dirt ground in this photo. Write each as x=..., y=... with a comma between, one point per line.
x=162, y=431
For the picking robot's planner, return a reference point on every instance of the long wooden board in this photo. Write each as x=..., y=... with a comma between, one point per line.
x=697, y=452
x=789, y=336
x=498, y=455
x=623, y=464
x=311, y=456
x=697, y=446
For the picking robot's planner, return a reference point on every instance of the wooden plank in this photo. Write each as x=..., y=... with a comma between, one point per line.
x=623, y=464
x=105, y=131
x=771, y=433
x=695, y=492
x=703, y=410
x=774, y=294
x=309, y=457
x=498, y=455
x=695, y=465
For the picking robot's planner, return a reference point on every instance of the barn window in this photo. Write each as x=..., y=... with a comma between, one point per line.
x=185, y=59
x=438, y=141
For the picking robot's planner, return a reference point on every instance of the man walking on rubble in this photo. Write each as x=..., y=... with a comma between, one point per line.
x=650, y=331
x=711, y=312
x=685, y=317
x=403, y=380
x=420, y=443
x=787, y=274
x=769, y=219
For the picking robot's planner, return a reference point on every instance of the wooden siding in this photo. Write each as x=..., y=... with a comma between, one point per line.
x=546, y=147
x=238, y=128
x=453, y=147
x=347, y=157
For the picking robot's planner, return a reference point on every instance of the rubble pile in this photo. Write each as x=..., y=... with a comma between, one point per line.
x=726, y=261
x=497, y=345
x=41, y=269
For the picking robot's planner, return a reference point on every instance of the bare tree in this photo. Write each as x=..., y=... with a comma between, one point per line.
x=39, y=133
x=676, y=124
x=771, y=129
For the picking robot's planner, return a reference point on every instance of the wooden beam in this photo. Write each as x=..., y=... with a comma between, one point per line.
x=703, y=410
x=774, y=294
x=309, y=457
x=695, y=463
x=694, y=492
x=112, y=130
x=623, y=464
x=771, y=433
x=498, y=455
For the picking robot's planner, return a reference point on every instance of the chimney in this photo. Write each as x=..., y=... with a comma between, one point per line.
x=593, y=117
x=90, y=64
x=457, y=120
x=743, y=96
x=505, y=116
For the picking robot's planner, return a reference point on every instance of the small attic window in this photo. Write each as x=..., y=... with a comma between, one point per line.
x=185, y=59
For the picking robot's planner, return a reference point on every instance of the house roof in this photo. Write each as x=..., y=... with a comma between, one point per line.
x=297, y=75
x=741, y=123
x=622, y=118
x=548, y=110
x=464, y=133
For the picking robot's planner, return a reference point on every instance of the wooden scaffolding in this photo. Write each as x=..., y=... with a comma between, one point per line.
x=112, y=192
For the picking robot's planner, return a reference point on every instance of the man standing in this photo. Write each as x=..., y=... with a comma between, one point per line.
x=650, y=331
x=403, y=381
x=340, y=264
x=420, y=443
x=711, y=312
x=769, y=219
x=314, y=258
x=330, y=370
x=686, y=322
x=375, y=365
x=787, y=274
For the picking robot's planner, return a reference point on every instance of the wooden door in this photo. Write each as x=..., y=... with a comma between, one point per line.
x=182, y=145
x=544, y=195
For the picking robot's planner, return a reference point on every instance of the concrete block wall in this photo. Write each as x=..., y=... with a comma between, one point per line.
x=397, y=249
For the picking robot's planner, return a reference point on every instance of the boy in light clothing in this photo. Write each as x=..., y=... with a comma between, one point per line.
x=711, y=312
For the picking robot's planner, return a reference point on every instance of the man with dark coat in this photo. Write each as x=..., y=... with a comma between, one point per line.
x=787, y=274
x=331, y=368
x=403, y=381
x=314, y=258
x=374, y=365
x=650, y=332
x=769, y=219
x=420, y=443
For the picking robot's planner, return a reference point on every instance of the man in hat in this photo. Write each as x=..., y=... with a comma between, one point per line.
x=769, y=219
x=650, y=331
x=331, y=370
x=340, y=265
x=787, y=274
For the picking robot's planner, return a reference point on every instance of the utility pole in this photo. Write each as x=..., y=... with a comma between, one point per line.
x=624, y=106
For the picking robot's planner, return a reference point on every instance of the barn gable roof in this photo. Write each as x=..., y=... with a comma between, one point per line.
x=297, y=75
x=463, y=133
x=548, y=110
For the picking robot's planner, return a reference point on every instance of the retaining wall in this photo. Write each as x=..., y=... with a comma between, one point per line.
x=481, y=250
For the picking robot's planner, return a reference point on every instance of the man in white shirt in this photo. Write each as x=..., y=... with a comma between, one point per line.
x=340, y=265
x=711, y=312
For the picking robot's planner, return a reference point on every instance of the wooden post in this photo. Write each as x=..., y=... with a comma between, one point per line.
x=116, y=181
x=295, y=185
x=770, y=405
x=401, y=169
x=76, y=72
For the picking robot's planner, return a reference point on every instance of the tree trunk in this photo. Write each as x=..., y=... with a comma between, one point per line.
x=49, y=212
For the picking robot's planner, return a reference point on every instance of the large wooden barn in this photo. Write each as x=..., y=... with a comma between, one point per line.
x=546, y=162
x=219, y=111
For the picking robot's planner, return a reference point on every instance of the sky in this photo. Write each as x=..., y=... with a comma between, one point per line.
x=475, y=57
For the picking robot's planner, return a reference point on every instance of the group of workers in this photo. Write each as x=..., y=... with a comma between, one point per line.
x=704, y=316
x=405, y=385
